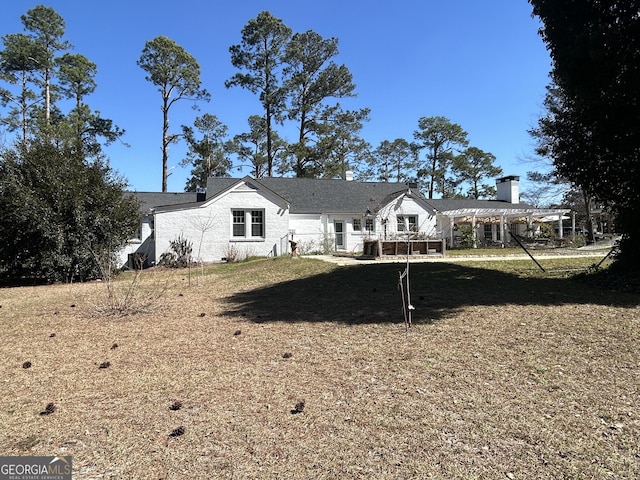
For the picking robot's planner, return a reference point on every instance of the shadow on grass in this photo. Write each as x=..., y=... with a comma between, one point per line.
x=369, y=294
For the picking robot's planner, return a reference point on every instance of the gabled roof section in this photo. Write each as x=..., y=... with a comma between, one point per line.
x=312, y=195
x=221, y=185
x=317, y=196
x=217, y=186
x=151, y=200
x=412, y=193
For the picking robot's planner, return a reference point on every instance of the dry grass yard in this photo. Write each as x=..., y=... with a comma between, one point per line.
x=298, y=369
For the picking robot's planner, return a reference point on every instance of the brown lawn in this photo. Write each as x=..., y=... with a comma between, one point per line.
x=506, y=373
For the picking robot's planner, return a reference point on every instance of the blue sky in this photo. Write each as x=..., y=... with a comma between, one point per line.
x=480, y=64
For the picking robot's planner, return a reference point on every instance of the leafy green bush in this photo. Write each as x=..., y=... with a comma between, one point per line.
x=467, y=236
x=59, y=211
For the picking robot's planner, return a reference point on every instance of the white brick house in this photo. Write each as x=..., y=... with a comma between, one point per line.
x=259, y=217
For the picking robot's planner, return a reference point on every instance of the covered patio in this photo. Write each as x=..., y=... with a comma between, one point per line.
x=498, y=224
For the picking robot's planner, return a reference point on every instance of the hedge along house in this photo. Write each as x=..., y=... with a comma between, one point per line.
x=243, y=217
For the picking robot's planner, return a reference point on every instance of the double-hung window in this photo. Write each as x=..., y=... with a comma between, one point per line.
x=410, y=221
x=488, y=231
x=257, y=223
x=239, y=223
x=369, y=225
x=243, y=218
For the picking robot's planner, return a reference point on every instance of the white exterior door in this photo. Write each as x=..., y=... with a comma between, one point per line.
x=338, y=227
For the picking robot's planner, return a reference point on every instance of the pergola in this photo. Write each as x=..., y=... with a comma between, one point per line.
x=505, y=216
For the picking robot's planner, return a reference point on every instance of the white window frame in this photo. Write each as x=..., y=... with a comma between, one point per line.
x=340, y=238
x=364, y=224
x=249, y=225
x=369, y=225
x=257, y=214
x=413, y=225
x=488, y=231
x=238, y=217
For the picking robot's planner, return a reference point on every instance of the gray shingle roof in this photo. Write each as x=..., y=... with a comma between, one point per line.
x=311, y=195
x=149, y=200
x=315, y=196
x=215, y=185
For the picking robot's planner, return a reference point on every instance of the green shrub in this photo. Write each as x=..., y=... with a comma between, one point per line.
x=179, y=254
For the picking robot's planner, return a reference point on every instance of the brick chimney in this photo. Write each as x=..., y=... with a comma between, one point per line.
x=508, y=189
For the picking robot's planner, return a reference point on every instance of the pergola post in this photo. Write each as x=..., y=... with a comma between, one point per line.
x=452, y=223
x=560, y=228
x=474, y=234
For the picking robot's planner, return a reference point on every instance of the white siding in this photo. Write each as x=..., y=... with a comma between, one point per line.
x=307, y=230
x=209, y=226
x=315, y=233
x=352, y=239
x=405, y=206
x=355, y=238
x=143, y=244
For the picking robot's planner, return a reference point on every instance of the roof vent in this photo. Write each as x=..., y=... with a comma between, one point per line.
x=348, y=175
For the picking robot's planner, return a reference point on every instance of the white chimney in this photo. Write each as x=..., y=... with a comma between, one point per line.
x=348, y=175
x=508, y=189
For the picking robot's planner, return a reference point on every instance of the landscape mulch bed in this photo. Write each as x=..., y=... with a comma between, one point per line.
x=294, y=368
